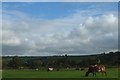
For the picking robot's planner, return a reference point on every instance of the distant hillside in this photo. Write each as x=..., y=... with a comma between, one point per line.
x=110, y=59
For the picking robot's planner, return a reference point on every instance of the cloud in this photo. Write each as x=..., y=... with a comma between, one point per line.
x=73, y=34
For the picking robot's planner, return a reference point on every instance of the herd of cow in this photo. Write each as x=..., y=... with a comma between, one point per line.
x=98, y=68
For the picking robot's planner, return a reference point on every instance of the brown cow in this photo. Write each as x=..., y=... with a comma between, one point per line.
x=96, y=68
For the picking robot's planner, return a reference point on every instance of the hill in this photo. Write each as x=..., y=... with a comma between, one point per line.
x=110, y=59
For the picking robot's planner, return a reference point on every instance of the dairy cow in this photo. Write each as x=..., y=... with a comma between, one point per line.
x=50, y=69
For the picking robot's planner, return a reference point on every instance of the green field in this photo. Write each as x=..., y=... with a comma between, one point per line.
x=111, y=73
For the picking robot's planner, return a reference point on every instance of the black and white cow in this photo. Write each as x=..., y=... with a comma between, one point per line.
x=50, y=69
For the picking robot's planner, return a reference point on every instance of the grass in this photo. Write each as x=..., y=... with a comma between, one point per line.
x=111, y=73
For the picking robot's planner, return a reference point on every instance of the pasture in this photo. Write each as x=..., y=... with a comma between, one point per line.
x=111, y=73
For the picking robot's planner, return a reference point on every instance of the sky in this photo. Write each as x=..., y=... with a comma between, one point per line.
x=60, y=0
x=57, y=28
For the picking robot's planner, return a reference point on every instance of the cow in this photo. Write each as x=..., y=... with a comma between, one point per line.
x=36, y=69
x=50, y=69
x=82, y=69
x=96, y=68
x=77, y=68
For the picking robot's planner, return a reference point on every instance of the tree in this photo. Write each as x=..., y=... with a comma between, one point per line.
x=35, y=63
x=4, y=64
x=15, y=63
x=65, y=55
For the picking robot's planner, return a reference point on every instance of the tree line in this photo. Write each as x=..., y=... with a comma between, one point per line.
x=17, y=62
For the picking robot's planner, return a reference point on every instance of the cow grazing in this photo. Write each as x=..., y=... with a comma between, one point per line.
x=50, y=69
x=82, y=69
x=96, y=68
x=36, y=69
x=76, y=68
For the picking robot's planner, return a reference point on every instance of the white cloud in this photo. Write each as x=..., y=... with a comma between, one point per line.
x=73, y=34
x=9, y=38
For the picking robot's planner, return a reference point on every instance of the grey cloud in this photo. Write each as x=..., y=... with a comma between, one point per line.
x=60, y=36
